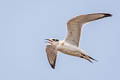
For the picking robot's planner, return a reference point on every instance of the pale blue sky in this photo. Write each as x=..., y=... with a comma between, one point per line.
x=24, y=24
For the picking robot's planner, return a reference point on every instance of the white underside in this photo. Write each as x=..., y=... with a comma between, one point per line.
x=70, y=49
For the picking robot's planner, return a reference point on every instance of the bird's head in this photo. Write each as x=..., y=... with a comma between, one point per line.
x=53, y=41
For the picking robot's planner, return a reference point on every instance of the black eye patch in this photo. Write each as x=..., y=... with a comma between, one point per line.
x=53, y=39
x=57, y=40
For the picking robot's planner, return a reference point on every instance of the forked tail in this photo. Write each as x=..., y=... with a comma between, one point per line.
x=88, y=58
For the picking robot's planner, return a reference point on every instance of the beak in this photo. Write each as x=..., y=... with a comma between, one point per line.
x=46, y=39
x=49, y=40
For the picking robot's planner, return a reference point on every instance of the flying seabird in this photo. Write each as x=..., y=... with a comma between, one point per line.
x=70, y=45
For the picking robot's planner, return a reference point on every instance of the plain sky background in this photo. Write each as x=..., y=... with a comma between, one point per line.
x=24, y=24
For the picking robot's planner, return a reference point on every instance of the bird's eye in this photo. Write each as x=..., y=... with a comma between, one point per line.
x=53, y=39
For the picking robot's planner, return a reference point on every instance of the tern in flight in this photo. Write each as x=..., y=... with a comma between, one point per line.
x=70, y=45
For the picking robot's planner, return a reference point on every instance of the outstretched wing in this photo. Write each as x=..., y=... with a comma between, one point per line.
x=74, y=26
x=51, y=55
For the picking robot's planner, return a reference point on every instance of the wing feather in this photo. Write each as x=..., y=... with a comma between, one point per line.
x=74, y=26
x=51, y=55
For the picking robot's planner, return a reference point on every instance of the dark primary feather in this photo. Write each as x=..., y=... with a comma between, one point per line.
x=51, y=55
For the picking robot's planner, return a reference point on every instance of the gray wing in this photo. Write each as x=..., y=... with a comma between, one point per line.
x=51, y=55
x=75, y=24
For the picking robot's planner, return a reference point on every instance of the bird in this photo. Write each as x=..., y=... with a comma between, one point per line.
x=70, y=45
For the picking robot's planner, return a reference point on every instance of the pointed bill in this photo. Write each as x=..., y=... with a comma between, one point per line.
x=51, y=55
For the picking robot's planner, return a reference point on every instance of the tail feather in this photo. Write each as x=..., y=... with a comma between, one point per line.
x=92, y=58
x=88, y=58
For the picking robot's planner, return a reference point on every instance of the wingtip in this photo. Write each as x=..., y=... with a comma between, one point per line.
x=53, y=67
x=107, y=15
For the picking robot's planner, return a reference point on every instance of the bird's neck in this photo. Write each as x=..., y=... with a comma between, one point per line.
x=61, y=42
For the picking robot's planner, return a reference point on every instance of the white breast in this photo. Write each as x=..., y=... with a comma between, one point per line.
x=67, y=48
